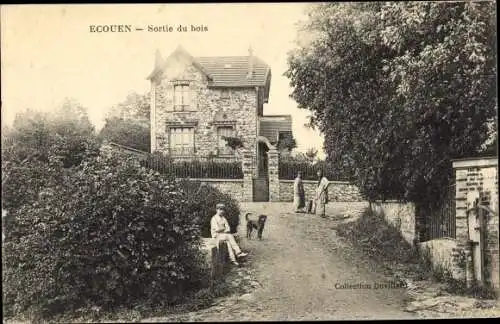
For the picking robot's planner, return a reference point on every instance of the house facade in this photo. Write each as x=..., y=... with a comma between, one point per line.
x=197, y=101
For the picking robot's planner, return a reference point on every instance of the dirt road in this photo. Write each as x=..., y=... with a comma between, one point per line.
x=306, y=272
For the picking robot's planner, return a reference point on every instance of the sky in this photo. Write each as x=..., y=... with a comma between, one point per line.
x=49, y=53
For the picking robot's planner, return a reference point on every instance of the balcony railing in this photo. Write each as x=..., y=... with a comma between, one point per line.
x=226, y=150
x=183, y=108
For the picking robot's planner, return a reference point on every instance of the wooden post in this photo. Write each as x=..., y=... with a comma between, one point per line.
x=469, y=266
x=482, y=243
x=213, y=268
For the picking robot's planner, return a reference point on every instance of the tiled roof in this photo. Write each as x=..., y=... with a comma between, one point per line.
x=223, y=71
x=232, y=71
x=271, y=126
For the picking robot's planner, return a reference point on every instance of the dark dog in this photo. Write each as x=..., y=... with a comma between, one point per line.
x=309, y=207
x=257, y=224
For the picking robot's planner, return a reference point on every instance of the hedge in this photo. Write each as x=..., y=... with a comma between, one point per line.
x=202, y=200
x=105, y=234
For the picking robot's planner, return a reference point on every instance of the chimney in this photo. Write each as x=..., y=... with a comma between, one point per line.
x=250, y=62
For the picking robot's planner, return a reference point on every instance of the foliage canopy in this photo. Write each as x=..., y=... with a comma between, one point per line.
x=398, y=89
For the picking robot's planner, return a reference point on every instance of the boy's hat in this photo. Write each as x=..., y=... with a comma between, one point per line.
x=220, y=206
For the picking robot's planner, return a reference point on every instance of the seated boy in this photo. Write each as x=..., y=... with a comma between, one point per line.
x=219, y=228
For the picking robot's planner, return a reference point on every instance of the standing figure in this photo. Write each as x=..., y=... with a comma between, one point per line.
x=321, y=194
x=219, y=228
x=299, y=199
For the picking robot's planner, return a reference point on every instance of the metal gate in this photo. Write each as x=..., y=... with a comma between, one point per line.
x=261, y=189
x=442, y=221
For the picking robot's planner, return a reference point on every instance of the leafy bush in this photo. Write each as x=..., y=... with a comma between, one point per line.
x=24, y=176
x=233, y=142
x=194, y=169
x=203, y=198
x=104, y=234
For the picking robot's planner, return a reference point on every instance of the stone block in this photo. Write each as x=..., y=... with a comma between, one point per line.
x=217, y=257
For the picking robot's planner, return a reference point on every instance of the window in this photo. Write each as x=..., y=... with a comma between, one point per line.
x=223, y=131
x=182, y=141
x=225, y=94
x=286, y=141
x=181, y=97
x=282, y=135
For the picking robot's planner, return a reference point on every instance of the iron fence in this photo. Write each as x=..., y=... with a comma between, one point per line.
x=194, y=168
x=441, y=221
x=181, y=151
x=288, y=170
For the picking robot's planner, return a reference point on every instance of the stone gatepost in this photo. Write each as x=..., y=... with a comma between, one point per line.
x=248, y=170
x=474, y=176
x=273, y=174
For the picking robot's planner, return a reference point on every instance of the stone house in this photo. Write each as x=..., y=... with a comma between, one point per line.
x=197, y=101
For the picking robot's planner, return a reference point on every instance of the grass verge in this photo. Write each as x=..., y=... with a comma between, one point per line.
x=378, y=239
x=381, y=241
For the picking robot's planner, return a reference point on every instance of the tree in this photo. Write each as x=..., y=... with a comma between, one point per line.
x=127, y=132
x=398, y=89
x=65, y=132
x=491, y=148
x=128, y=123
x=311, y=153
x=38, y=149
x=286, y=142
x=135, y=106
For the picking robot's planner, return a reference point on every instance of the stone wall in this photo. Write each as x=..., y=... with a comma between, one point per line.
x=248, y=172
x=273, y=175
x=240, y=109
x=337, y=191
x=442, y=255
x=400, y=215
x=476, y=178
x=232, y=187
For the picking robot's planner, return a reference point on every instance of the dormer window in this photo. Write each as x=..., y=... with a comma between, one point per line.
x=181, y=96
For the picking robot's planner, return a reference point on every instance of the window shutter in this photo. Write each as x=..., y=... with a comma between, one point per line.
x=193, y=101
x=169, y=97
